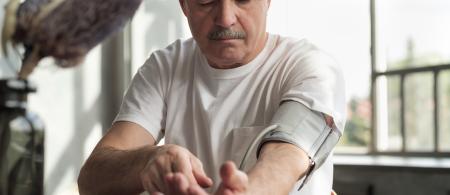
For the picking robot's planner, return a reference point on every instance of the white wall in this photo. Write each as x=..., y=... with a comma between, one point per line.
x=68, y=100
x=156, y=24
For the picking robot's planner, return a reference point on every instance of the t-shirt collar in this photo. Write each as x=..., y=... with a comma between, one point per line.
x=241, y=70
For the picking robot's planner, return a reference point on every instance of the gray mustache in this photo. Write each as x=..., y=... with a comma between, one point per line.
x=226, y=34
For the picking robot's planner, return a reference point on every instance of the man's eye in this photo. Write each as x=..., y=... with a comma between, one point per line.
x=242, y=1
x=205, y=2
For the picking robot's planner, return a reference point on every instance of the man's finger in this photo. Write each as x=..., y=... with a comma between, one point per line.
x=148, y=184
x=227, y=192
x=181, y=183
x=177, y=183
x=199, y=174
x=168, y=179
x=232, y=178
x=184, y=166
x=196, y=190
x=157, y=180
x=149, y=187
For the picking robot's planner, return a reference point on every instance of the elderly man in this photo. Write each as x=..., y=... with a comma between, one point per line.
x=232, y=95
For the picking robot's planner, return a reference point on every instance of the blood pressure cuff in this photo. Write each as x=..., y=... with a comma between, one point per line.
x=307, y=129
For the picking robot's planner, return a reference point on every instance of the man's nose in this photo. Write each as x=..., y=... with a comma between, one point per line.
x=226, y=14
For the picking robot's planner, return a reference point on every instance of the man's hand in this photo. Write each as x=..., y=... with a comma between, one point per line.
x=234, y=182
x=169, y=159
x=278, y=168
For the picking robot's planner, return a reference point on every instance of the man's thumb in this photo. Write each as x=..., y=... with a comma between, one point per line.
x=233, y=178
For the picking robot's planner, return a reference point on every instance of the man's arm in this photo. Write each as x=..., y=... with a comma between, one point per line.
x=277, y=170
x=279, y=166
x=115, y=164
x=126, y=161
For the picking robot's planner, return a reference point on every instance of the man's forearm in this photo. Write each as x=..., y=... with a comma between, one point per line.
x=112, y=171
x=278, y=168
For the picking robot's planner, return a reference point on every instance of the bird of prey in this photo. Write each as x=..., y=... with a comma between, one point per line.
x=63, y=29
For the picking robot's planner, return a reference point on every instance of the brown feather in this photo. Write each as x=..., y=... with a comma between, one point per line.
x=67, y=30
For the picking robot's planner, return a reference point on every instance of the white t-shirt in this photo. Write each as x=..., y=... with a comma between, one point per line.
x=216, y=113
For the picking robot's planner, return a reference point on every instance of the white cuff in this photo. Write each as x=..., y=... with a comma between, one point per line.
x=307, y=129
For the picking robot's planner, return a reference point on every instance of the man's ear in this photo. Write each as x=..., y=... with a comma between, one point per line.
x=184, y=6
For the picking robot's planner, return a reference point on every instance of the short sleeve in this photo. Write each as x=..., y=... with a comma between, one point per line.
x=144, y=101
x=316, y=81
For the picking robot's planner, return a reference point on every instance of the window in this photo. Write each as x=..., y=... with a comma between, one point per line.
x=396, y=64
x=410, y=78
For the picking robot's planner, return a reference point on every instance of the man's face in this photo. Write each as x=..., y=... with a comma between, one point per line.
x=229, y=32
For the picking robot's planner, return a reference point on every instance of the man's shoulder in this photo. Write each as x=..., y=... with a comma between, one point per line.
x=178, y=47
x=294, y=45
x=297, y=51
x=168, y=58
x=301, y=55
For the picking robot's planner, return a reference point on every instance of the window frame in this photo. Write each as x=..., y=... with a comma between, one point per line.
x=402, y=73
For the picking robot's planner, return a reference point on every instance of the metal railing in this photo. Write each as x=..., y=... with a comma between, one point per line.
x=402, y=73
